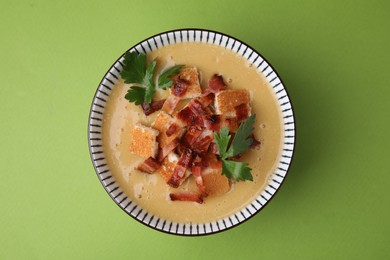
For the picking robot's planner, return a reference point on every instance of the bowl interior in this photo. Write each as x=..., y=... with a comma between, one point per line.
x=95, y=133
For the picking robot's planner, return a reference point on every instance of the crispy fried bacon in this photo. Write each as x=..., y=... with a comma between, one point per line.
x=200, y=161
x=192, y=135
x=193, y=113
x=197, y=138
x=216, y=84
x=201, y=145
x=150, y=165
x=172, y=129
x=170, y=104
x=152, y=107
x=179, y=173
x=196, y=107
x=188, y=117
x=187, y=196
x=196, y=110
x=207, y=99
x=167, y=149
x=213, y=122
x=179, y=87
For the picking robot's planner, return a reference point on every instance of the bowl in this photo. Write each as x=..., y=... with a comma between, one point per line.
x=276, y=176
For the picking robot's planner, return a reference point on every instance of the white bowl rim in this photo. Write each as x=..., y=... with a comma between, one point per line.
x=278, y=176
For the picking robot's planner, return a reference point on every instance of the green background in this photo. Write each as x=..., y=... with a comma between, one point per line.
x=334, y=59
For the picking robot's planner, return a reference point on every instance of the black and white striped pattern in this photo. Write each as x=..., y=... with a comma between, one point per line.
x=95, y=132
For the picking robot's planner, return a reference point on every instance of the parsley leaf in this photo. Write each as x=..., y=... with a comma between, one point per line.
x=222, y=140
x=164, y=80
x=136, y=94
x=233, y=169
x=134, y=67
x=238, y=171
x=135, y=72
x=148, y=82
x=241, y=143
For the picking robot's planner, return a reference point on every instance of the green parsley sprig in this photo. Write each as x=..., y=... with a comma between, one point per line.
x=241, y=143
x=137, y=73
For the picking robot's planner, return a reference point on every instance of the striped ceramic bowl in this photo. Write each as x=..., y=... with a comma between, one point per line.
x=103, y=171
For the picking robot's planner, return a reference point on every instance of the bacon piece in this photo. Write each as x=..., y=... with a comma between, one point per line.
x=200, y=161
x=198, y=139
x=192, y=135
x=193, y=113
x=188, y=117
x=179, y=172
x=216, y=84
x=187, y=196
x=213, y=122
x=242, y=112
x=172, y=129
x=150, y=165
x=196, y=107
x=163, y=152
x=179, y=87
x=197, y=172
x=152, y=107
x=207, y=99
x=170, y=104
x=208, y=110
x=181, y=147
x=202, y=144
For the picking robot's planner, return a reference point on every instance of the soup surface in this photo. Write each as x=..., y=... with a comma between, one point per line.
x=149, y=190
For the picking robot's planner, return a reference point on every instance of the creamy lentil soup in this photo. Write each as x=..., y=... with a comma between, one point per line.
x=150, y=191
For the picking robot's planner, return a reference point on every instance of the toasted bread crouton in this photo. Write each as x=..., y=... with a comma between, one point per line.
x=215, y=183
x=165, y=123
x=144, y=141
x=227, y=100
x=189, y=76
x=161, y=121
x=168, y=166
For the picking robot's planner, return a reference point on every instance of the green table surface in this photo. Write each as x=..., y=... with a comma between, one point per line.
x=334, y=59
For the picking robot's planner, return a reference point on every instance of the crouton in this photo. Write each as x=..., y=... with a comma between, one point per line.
x=144, y=141
x=226, y=101
x=168, y=166
x=186, y=84
x=215, y=183
x=163, y=123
